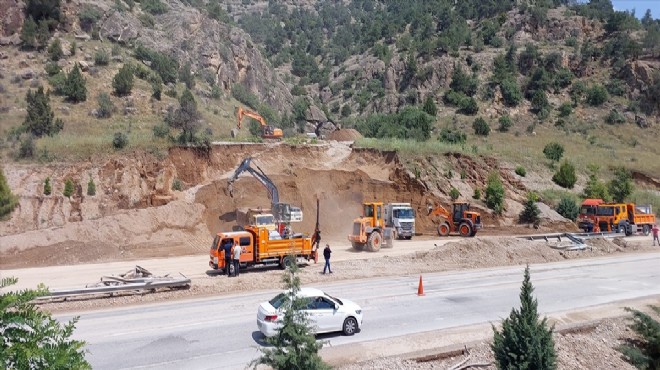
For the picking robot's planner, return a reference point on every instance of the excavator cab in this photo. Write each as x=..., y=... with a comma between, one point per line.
x=369, y=231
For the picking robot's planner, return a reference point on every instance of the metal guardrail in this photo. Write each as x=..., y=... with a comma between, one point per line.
x=574, y=237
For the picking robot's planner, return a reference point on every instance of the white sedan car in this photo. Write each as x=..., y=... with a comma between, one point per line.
x=325, y=313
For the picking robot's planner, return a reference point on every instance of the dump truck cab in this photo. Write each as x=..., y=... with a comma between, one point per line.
x=369, y=231
x=244, y=239
x=588, y=218
x=401, y=218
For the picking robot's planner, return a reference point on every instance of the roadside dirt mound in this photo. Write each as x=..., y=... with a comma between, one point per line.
x=345, y=134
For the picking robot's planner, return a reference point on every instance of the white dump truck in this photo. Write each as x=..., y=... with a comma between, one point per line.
x=401, y=218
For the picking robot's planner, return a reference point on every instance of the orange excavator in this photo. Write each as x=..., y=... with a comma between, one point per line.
x=460, y=220
x=267, y=131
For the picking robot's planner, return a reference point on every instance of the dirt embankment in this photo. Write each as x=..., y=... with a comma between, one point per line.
x=136, y=212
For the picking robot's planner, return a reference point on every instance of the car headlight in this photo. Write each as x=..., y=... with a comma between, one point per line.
x=358, y=312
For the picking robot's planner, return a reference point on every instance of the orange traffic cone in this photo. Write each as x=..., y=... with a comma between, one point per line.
x=420, y=288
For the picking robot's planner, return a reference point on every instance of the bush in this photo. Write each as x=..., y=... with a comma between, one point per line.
x=120, y=140
x=106, y=107
x=58, y=83
x=55, y=52
x=642, y=351
x=75, y=89
x=8, y=202
x=621, y=186
x=568, y=208
x=48, y=189
x=27, y=147
x=511, y=92
x=466, y=105
x=565, y=176
x=539, y=101
x=525, y=342
x=52, y=69
x=154, y=7
x=452, y=135
x=495, y=193
x=91, y=187
x=565, y=109
x=481, y=127
x=101, y=58
x=88, y=16
x=553, y=151
x=454, y=193
x=186, y=76
x=122, y=83
x=616, y=87
x=530, y=213
x=240, y=93
x=477, y=194
x=161, y=130
x=177, y=184
x=40, y=119
x=521, y=171
x=596, y=95
x=68, y=188
x=429, y=106
x=505, y=124
x=615, y=118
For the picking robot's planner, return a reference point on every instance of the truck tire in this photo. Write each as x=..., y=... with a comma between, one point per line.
x=358, y=246
x=474, y=232
x=286, y=262
x=465, y=229
x=443, y=229
x=408, y=237
x=374, y=242
x=646, y=230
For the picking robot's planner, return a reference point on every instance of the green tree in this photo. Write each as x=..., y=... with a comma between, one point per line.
x=530, y=213
x=565, y=176
x=91, y=187
x=643, y=351
x=119, y=140
x=505, y=123
x=294, y=346
x=511, y=92
x=597, y=95
x=539, y=101
x=525, y=342
x=40, y=119
x=494, y=194
x=68, y=188
x=8, y=201
x=122, y=83
x=55, y=51
x=36, y=340
x=565, y=110
x=462, y=82
x=621, y=186
x=75, y=89
x=553, y=151
x=454, y=193
x=106, y=107
x=568, y=208
x=48, y=189
x=595, y=189
x=481, y=127
x=429, y=106
x=186, y=118
x=186, y=76
x=29, y=33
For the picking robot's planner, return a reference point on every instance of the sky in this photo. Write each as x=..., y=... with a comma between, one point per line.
x=640, y=7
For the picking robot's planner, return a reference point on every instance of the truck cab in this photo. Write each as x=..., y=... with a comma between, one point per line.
x=401, y=218
x=370, y=231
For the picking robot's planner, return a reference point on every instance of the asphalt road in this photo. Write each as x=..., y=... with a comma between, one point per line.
x=222, y=332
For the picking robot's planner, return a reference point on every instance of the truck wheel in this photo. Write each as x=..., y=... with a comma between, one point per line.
x=374, y=242
x=465, y=229
x=358, y=246
x=646, y=230
x=474, y=232
x=286, y=262
x=443, y=229
x=621, y=229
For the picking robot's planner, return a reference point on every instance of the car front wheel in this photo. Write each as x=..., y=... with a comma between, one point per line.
x=350, y=326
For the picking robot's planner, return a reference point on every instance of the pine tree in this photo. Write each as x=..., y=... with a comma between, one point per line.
x=8, y=201
x=565, y=176
x=494, y=194
x=75, y=89
x=525, y=342
x=47, y=187
x=122, y=83
x=68, y=188
x=29, y=33
x=294, y=347
x=36, y=340
x=621, y=185
x=91, y=187
x=595, y=188
x=429, y=106
x=55, y=51
x=530, y=214
x=40, y=119
x=644, y=351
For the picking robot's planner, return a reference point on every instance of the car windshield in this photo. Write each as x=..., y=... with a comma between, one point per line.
x=279, y=300
x=588, y=210
x=333, y=298
x=403, y=213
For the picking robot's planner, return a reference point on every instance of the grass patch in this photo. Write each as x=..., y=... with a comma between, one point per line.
x=552, y=197
x=413, y=148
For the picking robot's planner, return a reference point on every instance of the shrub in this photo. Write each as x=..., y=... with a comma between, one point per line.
x=521, y=171
x=595, y=188
x=52, y=69
x=505, y=124
x=481, y=127
x=177, y=184
x=553, y=151
x=615, y=118
x=565, y=109
x=596, y=95
x=68, y=188
x=240, y=93
x=106, y=107
x=477, y=194
x=91, y=187
x=55, y=52
x=75, y=89
x=468, y=106
x=8, y=202
x=642, y=352
x=58, y=82
x=429, y=106
x=48, y=189
x=154, y=7
x=616, y=87
x=621, y=186
x=40, y=119
x=101, y=58
x=186, y=76
x=454, y=193
x=530, y=213
x=525, y=342
x=120, y=140
x=511, y=92
x=539, y=101
x=568, y=208
x=565, y=176
x=122, y=83
x=452, y=135
x=88, y=16
x=298, y=90
x=27, y=147
x=494, y=196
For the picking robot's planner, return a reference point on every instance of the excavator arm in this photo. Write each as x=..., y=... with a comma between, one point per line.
x=259, y=174
x=244, y=112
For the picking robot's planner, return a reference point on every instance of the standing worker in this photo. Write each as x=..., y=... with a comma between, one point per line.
x=226, y=247
x=655, y=234
x=326, y=254
x=237, y=258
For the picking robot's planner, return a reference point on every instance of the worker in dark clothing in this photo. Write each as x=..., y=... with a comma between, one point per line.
x=226, y=247
x=326, y=255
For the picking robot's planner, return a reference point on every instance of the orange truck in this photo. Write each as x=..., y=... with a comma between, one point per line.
x=260, y=246
x=626, y=218
x=587, y=217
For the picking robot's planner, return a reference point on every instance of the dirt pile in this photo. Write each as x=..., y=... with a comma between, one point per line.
x=346, y=134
